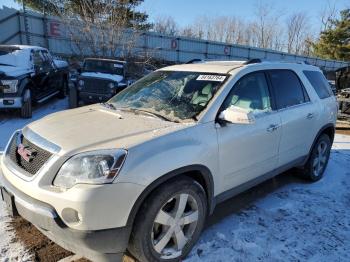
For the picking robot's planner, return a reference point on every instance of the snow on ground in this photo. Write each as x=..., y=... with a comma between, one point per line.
x=10, y=249
x=296, y=222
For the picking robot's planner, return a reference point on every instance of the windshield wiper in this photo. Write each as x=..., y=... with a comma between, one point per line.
x=109, y=105
x=154, y=114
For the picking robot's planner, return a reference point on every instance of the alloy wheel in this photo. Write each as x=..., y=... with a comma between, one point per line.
x=174, y=225
x=320, y=159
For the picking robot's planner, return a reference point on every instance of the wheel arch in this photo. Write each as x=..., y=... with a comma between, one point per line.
x=199, y=173
x=329, y=130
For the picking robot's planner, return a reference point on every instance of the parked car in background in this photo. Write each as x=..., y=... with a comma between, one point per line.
x=144, y=170
x=98, y=81
x=29, y=74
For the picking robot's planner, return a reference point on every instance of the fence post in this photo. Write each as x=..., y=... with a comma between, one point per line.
x=45, y=30
x=20, y=28
x=26, y=26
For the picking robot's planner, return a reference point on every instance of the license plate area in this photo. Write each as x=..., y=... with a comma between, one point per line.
x=9, y=201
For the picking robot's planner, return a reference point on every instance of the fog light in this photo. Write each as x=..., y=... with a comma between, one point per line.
x=71, y=216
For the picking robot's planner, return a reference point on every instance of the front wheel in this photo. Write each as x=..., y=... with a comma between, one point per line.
x=26, y=109
x=169, y=222
x=318, y=160
x=73, y=97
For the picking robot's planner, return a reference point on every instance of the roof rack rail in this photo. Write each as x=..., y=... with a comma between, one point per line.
x=194, y=61
x=252, y=61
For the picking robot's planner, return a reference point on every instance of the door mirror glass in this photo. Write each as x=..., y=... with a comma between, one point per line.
x=237, y=115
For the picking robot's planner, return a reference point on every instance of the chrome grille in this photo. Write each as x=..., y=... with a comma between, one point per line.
x=39, y=156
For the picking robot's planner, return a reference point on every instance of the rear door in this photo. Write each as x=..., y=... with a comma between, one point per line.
x=298, y=114
x=247, y=151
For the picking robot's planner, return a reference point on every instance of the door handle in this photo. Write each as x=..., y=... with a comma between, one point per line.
x=272, y=128
x=310, y=115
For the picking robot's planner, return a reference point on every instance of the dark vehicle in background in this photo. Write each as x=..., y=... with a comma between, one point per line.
x=342, y=83
x=29, y=74
x=98, y=81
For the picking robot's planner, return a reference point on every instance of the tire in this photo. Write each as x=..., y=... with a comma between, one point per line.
x=73, y=97
x=162, y=205
x=26, y=109
x=63, y=90
x=318, y=160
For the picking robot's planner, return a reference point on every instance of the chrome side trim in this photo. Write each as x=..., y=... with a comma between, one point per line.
x=48, y=97
x=40, y=141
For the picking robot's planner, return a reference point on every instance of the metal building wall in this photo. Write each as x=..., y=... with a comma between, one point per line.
x=52, y=34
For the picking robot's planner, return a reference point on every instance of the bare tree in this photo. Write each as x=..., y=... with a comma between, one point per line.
x=266, y=25
x=166, y=25
x=328, y=14
x=101, y=28
x=297, y=31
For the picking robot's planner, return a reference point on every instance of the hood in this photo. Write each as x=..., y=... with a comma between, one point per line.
x=116, y=78
x=96, y=127
x=14, y=71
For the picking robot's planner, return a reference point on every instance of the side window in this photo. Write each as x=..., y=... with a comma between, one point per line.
x=37, y=60
x=251, y=92
x=288, y=88
x=319, y=83
x=47, y=66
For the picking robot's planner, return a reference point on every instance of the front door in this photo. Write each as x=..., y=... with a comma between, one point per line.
x=247, y=151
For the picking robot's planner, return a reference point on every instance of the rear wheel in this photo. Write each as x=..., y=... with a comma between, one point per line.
x=26, y=109
x=169, y=222
x=318, y=160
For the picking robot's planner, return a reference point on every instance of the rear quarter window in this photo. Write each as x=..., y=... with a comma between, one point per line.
x=319, y=83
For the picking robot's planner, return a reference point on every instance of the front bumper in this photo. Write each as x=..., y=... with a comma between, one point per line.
x=90, y=98
x=11, y=102
x=97, y=245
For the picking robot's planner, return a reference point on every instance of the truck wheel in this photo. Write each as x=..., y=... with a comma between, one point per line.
x=318, y=160
x=63, y=90
x=73, y=97
x=26, y=109
x=169, y=222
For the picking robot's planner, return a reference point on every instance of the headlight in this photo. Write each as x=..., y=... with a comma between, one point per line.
x=111, y=85
x=95, y=167
x=10, y=86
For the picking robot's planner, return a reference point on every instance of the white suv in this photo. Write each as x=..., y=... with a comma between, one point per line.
x=143, y=171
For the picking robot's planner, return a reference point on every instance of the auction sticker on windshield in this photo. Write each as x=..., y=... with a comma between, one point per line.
x=218, y=78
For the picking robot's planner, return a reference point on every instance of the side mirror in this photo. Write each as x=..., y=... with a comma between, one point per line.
x=237, y=115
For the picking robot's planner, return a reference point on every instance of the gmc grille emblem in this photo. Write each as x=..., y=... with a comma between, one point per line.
x=26, y=152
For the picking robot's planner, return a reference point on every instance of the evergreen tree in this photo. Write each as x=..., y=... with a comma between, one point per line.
x=334, y=42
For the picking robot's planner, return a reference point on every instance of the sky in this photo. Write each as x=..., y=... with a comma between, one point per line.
x=186, y=11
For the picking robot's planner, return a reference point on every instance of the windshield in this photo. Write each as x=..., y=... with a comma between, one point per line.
x=106, y=67
x=176, y=96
